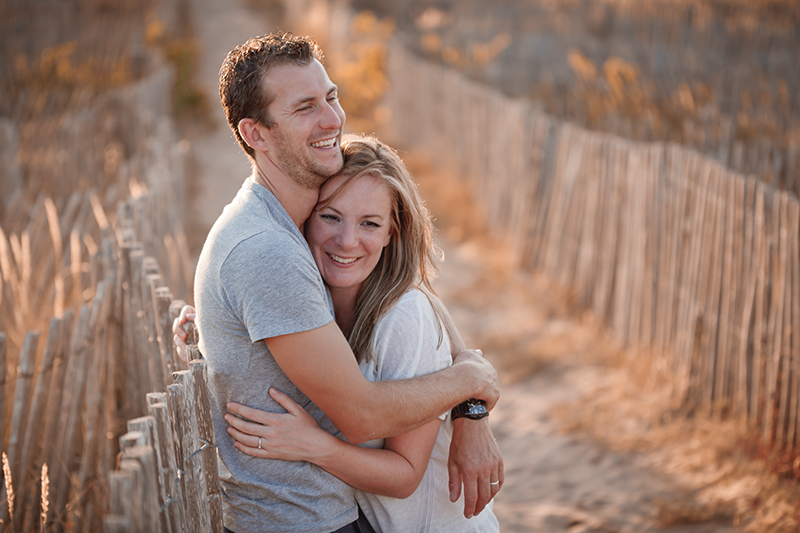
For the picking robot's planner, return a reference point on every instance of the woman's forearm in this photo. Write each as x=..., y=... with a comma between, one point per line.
x=378, y=471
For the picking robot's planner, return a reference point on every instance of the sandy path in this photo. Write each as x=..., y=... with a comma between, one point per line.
x=554, y=482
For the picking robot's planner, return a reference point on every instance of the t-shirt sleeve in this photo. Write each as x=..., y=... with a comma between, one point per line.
x=274, y=287
x=407, y=340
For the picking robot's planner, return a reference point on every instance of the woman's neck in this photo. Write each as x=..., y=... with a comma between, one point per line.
x=344, y=304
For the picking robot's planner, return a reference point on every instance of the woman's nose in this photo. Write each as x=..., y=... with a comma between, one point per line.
x=347, y=237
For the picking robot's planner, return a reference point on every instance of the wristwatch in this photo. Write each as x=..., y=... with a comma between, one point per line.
x=472, y=409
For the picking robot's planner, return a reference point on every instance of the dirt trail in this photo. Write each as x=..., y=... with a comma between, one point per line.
x=554, y=482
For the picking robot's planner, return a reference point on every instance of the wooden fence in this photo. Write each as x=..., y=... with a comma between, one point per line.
x=94, y=269
x=675, y=253
x=96, y=370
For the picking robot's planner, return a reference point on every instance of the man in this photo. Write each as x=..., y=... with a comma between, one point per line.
x=265, y=316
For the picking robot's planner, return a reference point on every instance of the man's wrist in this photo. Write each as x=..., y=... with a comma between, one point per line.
x=471, y=409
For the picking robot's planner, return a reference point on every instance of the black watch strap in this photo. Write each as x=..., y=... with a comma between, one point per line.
x=472, y=409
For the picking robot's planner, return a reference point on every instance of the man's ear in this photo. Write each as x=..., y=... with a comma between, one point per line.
x=254, y=134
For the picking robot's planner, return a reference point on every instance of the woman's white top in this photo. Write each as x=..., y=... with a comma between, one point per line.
x=407, y=345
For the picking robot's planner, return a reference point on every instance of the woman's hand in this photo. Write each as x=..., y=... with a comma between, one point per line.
x=188, y=314
x=290, y=436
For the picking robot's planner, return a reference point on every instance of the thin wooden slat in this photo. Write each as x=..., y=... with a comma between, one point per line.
x=698, y=187
x=711, y=292
x=760, y=252
x=183, y=410
x=124, y=499
x=586, y=255
x=151, y=277
x=134, y=500
x=162, y=301
x=730, y=283
x=130, y=355
x=94, y=430
x=165, y=453
x=742, y=252
x=205, y=428
x=608, y=243
x=139, y=334
x=146, y=426
x=784, y=368
x=71, y=408
x=33, y=428
x=48, y=451
x=19, y=413
x=774, y=336
x=618, y=289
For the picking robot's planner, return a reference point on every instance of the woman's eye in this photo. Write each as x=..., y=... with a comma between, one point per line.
x=329, y=217
x=372, y=224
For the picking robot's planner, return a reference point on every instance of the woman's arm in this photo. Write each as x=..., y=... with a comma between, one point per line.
x=395, y=470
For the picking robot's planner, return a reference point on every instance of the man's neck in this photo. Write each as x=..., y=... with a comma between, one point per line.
x=298, y=201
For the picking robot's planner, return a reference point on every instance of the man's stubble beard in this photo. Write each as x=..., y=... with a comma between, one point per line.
x=300, y=166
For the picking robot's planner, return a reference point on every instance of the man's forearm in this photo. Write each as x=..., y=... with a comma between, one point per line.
x=320, y=363
x=400, y=406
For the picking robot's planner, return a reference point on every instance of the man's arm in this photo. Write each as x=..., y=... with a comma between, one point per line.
x=320, y=363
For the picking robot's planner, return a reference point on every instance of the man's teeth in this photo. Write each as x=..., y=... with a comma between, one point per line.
x=342, y=259
x=324, y=144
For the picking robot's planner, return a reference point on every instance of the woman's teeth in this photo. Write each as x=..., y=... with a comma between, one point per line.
x=342, y=260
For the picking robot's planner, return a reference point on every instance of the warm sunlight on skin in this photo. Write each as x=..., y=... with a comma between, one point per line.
x=305, y=140
x=347, y=236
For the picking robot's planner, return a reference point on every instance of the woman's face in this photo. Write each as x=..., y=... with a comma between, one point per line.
x=348, y=235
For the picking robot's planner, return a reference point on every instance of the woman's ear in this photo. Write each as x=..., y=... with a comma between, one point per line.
x=254, y=134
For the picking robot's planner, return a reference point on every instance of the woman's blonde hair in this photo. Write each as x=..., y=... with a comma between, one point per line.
x=410, y=260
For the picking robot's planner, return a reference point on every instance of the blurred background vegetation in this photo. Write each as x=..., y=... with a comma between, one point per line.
x=716, y=75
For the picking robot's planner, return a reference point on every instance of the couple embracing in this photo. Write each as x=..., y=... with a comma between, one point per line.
x=337, y=404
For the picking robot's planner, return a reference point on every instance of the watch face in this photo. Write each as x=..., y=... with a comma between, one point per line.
x=472, y=409
x=477, y=410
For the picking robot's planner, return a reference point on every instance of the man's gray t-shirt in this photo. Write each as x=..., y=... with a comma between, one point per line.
x=256, y=279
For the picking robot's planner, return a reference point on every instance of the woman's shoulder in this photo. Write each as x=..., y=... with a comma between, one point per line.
x=414, y=301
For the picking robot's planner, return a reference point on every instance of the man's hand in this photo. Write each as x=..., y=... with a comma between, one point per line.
x=475, y=462
x=188, y=313
x=486, y=374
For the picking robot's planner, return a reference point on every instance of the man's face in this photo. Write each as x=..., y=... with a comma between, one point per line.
x=307, y=123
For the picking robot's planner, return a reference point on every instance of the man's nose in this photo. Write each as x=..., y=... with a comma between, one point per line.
x=332, y=117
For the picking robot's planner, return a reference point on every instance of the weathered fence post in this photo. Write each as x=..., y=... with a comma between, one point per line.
x=205, y=428
x=197, y=506
x=165, y=452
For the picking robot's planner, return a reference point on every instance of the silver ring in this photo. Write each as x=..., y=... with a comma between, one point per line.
x=490, y=483
x=259, y=444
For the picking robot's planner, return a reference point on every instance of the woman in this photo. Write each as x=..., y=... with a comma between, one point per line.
x=372, y=239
